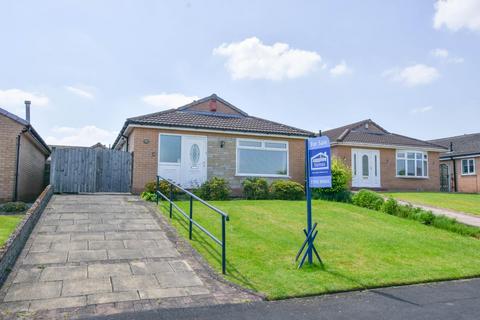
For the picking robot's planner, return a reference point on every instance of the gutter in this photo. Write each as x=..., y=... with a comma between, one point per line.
x=17, y=163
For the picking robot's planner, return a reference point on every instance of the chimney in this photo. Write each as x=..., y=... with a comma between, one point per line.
x=213, y=103
x=451, y=146
x=27, y=111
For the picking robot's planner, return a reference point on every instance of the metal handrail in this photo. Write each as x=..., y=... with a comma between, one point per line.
x=189, y=216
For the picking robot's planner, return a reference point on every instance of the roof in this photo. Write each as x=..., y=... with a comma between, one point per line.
x=464, y=145
x=227, y=117
x=369, y=132
x=27, y=125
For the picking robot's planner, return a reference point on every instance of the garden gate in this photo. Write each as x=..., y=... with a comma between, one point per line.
x=79, y=169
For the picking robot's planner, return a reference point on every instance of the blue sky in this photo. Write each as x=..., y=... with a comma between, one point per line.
x=412, y=66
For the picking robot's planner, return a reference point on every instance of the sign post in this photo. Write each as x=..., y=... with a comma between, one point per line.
x=318, y=175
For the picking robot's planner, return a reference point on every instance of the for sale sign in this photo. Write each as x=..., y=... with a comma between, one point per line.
x=319, y=162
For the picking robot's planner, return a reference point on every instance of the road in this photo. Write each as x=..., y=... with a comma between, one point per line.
x=442, y=300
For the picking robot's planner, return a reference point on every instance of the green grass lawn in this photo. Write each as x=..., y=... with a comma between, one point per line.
x=468, y=203
x=361, y=248
x=7, y=225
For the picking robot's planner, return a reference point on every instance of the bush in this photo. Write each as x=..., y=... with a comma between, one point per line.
x=390, y=206
x=164, y=187
x=255, y=188
x=342, y=196
x=148, y=196
x=14, y=207
x=286, y=190
x=214, y=189
x=368, y=199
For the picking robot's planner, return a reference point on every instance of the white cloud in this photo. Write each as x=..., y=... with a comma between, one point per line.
x=14, y=99
x=168, y=100
x=421, y=110
x=85, y=136
x=445, y=56
x=80, y=92
x=340, y=69
x=415, y=75
x=457, y=14
x=251, y=59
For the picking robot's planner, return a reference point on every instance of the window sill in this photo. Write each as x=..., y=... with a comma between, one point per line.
x=262, y=175
x=410, y=177
x=469, y=174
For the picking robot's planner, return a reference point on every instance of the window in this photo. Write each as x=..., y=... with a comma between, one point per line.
x=468, y=166
x=262, y=158
x=412, y=164
x=170, y=148
x=354, y=164
x=365, y=165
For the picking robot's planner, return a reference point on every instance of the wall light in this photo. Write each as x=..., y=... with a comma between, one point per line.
x=222, y=144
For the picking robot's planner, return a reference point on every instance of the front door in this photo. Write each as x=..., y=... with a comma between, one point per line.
x=194, y=161
x=183, y=159
x=365, y=168
x=444, y=178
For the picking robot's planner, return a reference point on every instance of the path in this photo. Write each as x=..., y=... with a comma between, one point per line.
x=461, y=217
x=104, y=254
x=436, y=301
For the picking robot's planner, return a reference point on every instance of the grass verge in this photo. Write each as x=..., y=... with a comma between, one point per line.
x=8, y=225
x=468, y=203
x=361, y=248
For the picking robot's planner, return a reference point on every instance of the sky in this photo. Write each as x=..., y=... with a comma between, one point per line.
x=412, y=66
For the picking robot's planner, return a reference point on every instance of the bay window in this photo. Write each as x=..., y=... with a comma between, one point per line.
x=262, y=158
x=412, y=164
x=468, y=166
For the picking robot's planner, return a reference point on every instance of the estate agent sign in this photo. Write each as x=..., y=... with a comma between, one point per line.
x=318, y=175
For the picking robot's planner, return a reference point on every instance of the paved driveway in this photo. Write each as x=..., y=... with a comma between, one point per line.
x=104, y=254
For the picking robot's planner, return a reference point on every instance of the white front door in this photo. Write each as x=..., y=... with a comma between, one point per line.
x=183, y=159
x=365, y=168
x=194, y=161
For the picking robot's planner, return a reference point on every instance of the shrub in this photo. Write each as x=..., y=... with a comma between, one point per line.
x=214, y=189
x=13, y=207
x=255, y=188
x=287, y=190
x=390, y=206
x=148, y=196
x=342, y=196
x=164, y=187
x=368, y=199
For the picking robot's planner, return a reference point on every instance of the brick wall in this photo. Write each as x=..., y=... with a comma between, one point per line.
x=465, y=183
x=9, y=131
x=31, y=169
x=388, y=177
x=220, y=161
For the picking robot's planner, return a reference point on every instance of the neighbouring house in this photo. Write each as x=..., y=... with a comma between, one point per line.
x=211, y=138
x=23, y=158
x=383, y=160
x=458, y=165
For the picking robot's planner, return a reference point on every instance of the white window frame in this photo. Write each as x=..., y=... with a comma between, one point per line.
x=263, y=142
x=406, y=176
x=468, y=166
x=159, y=143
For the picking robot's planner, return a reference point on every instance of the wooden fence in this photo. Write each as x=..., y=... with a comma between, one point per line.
x=77, y=169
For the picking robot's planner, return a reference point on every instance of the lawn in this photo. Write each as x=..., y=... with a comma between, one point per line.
x=468, y=203
x=361, y=248
x=7, y=225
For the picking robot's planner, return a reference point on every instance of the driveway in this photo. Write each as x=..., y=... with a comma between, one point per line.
x=104, y=254
x=436, y=301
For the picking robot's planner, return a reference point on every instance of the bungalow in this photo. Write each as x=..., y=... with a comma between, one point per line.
x=458, y=165
x=209, y=138
x=383, y=160
x=23, y=158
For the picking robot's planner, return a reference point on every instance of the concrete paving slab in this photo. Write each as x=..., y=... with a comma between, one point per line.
x=112, y=297
x=138, y=244
x=64, y=273
x=150, y=267
x=55, y=303
x=33, y=290
x=86, y=255
x=134, y=283
x=160, y=252
x=46, y=257
x=115, y=254
x=109, y=270
x=67, y=246
x=28, y=274
x=88, y=236
x=105, y=244
x=178, y=279
x=85, y=286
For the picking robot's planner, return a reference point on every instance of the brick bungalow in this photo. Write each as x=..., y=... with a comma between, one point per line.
x=458, y=166
x=383, y=160
x=211, y=138
x=22, y=160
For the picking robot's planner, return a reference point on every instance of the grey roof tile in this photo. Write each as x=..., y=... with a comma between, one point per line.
x=467, y=144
